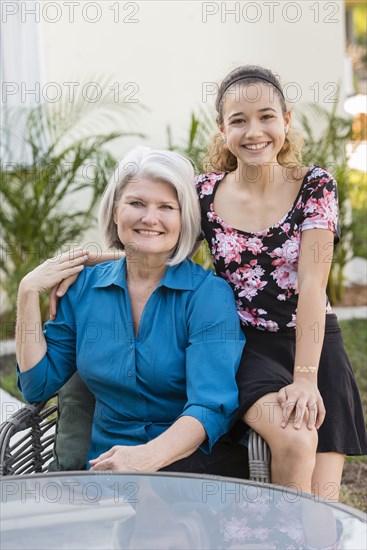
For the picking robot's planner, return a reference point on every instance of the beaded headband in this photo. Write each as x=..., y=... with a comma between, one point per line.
x=252, y=75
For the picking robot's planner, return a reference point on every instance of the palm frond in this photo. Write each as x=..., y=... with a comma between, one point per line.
x=67, y=154
x=200, y=130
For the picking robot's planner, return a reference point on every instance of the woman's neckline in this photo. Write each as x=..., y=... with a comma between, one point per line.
x=266, y=230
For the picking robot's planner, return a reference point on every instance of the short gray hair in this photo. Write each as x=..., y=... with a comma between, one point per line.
x=161, y=165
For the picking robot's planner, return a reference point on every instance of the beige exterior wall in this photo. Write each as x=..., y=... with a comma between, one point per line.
x=169, y=50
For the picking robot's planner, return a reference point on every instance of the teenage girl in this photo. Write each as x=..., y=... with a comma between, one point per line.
x=271, y=225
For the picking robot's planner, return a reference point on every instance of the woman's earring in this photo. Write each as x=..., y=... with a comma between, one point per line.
x=224, y=138
x=286, y=129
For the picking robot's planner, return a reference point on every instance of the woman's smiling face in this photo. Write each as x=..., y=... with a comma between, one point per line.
x=148, y=218
x=254, y=125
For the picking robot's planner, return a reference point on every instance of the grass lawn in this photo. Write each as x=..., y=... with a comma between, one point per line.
x=353, y=490
x=355, y=340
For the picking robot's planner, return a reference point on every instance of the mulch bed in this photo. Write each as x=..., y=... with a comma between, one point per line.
x=355, y=295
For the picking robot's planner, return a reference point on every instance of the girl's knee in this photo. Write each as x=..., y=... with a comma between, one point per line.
x=296, y=444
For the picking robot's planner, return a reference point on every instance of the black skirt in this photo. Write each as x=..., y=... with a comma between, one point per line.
x=267, y=366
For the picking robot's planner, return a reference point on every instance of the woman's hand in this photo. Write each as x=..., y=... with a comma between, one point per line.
x=297, y=398
x=178, y=441
x=54, y=270
x=123, y=458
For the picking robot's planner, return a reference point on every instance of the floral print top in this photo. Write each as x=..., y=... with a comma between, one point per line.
x=261, y=267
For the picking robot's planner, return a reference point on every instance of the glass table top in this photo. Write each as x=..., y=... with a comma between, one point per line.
x=168, y=511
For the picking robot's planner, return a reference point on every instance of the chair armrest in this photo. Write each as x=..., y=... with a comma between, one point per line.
x=27, y=439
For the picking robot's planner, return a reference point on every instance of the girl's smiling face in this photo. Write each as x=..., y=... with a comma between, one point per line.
x=254, y=124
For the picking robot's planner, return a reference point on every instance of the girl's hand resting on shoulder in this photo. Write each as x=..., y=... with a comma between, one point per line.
x=54, y=270
x=61, y=288
x=58, y=291
x=296, y=399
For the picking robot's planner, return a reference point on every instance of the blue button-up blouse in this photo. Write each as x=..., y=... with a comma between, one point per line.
x=183, y=360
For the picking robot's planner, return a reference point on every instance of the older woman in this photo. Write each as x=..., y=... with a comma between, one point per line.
x=153, y=336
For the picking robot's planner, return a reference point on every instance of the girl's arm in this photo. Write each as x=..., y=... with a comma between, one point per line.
x=313, y=271
x=30, y=342
x=90, y=260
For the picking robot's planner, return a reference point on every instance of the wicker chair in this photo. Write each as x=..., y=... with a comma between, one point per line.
x=27, y=440
x=259, y=458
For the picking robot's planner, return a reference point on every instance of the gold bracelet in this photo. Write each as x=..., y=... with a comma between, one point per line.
x=308, y=370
